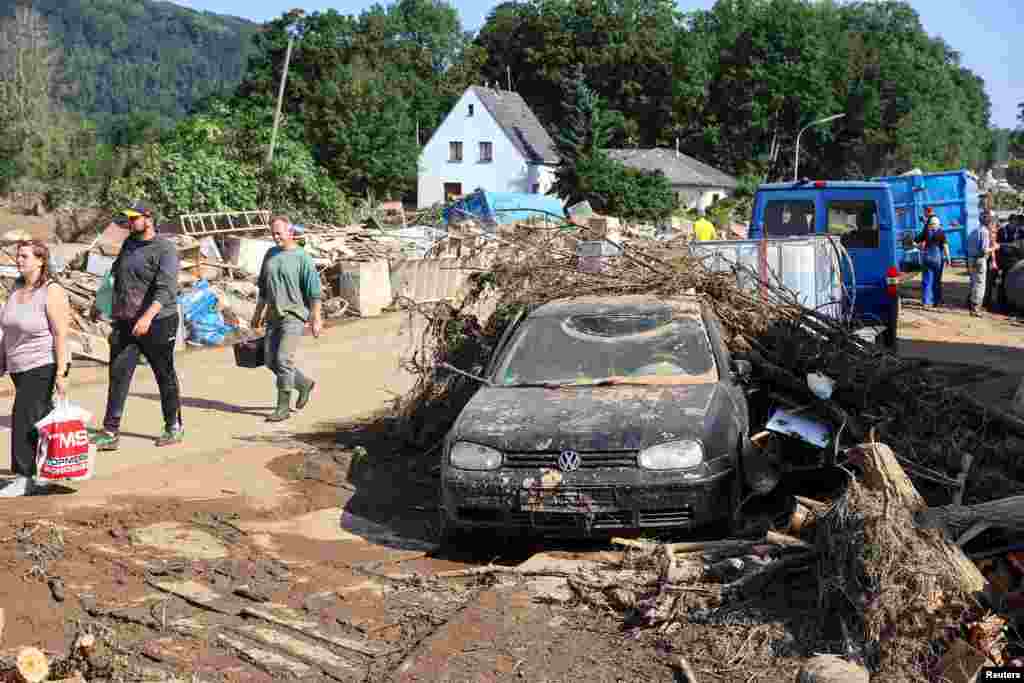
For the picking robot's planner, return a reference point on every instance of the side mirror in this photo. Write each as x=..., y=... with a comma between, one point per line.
x=742, y=368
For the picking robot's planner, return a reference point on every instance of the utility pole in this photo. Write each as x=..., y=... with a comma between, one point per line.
x=796, y=158
x=293, y=31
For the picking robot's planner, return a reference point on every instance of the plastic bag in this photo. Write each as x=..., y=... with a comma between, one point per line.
x=105, y=296
x=208, y=328
x=64, y=452
x=197, y=300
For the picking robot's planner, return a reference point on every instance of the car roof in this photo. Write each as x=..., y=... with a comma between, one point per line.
x=687, y=307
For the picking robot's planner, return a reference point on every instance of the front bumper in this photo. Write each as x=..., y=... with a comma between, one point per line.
x=621, y=500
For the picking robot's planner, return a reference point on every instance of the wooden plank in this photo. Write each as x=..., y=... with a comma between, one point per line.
x=271, y=662
x=331, y=664
x=199, y=595
x=281, y=615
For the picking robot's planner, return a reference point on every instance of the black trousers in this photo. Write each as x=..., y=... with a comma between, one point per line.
x=158, y=348
x=991, y=282
x=33, y=400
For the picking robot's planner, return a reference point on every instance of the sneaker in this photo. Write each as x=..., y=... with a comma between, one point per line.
x=106, y=441
x=18, y=487
x=171, y=436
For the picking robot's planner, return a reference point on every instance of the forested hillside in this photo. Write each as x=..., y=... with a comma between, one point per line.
x=121, y=57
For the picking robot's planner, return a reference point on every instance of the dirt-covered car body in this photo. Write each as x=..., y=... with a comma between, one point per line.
x=600, y=414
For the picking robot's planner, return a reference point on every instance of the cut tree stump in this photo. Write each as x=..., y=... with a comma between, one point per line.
x=32, y=665
x=884, y=474
x=832, y=669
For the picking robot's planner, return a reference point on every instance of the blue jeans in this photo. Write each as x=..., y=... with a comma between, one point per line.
x=931, y=283
x=282, y=343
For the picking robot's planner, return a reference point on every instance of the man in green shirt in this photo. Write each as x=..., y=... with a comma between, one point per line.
x=290, y=294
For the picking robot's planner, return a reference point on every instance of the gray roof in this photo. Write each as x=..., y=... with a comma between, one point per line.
x=519, y=122
x=679, y=168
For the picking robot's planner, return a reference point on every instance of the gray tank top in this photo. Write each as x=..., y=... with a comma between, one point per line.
x=27, y=341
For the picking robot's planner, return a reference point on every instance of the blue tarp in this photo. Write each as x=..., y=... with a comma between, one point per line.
x=494, y=208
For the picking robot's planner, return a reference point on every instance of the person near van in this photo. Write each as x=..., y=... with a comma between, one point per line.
x=145, y=315
x=35, y=323
x=992, y=275
x=704, y=230
x=289, y=292
x=935, y=256
x=979, y=250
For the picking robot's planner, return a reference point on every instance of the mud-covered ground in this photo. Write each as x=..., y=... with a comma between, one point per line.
x=334, y=576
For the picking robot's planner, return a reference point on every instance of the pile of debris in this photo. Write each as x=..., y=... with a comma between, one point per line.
x=897, y=586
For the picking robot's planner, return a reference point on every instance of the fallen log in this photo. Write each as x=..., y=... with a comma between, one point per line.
x=1005, y=513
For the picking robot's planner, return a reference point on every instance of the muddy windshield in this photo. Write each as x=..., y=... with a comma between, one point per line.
x=641, y=348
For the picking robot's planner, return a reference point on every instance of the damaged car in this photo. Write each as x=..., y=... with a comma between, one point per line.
x=599, y=415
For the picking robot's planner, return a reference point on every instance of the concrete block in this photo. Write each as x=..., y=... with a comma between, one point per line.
x=366, y=285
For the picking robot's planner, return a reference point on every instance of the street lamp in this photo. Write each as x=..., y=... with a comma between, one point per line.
x=294, y=30
x=796, y=158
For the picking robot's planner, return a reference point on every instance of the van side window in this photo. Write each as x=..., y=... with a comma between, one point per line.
x=855, y=222
x=789, y=218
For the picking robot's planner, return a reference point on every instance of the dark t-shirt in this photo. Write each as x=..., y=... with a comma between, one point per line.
x=936, y=238
x=145, y=271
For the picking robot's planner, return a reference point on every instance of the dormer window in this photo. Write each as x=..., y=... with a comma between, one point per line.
x=471, y=110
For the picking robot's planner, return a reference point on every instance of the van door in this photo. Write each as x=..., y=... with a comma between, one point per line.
x=863, y=221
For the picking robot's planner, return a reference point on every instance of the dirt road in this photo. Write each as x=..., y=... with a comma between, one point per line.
x=306, y=550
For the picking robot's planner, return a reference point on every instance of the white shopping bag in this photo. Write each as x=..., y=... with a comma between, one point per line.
x=65, y=452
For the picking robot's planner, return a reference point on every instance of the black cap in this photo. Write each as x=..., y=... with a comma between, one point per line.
x=138, y=209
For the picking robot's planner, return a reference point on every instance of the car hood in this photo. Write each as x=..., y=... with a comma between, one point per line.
x=604, y=418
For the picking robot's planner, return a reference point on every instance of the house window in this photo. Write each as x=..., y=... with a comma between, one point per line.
x=455, y=151
x=486, y=152
x=471, y=110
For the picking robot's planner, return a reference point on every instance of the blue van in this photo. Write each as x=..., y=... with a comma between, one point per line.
x=862, y=215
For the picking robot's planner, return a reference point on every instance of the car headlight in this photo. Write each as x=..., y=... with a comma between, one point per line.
x=471, y=456
x=674, y=455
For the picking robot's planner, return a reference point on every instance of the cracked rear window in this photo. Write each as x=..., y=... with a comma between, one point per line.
x=581, y=349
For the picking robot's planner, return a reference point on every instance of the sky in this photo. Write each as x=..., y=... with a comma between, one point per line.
x=985, y=33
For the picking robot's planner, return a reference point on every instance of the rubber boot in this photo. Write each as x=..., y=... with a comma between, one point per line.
x=284, y=407
x=304, y=391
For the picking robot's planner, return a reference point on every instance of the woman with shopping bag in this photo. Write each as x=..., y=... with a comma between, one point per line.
x=34, y=350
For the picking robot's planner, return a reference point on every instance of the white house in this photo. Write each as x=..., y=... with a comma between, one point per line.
x=696, y=184
x=490, y=140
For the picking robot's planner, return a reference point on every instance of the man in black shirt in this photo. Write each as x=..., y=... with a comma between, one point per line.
x=145, y=317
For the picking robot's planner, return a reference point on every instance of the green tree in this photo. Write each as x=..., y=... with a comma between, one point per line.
x=585, y=172
x=214, y=161
x=121, y=58
x=361, y=86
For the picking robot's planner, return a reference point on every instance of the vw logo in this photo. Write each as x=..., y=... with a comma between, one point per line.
x=569, y=461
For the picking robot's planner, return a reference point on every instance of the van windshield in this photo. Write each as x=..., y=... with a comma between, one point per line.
x=789, y=218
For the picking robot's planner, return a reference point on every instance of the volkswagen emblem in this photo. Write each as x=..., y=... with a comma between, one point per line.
x=569, y=461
